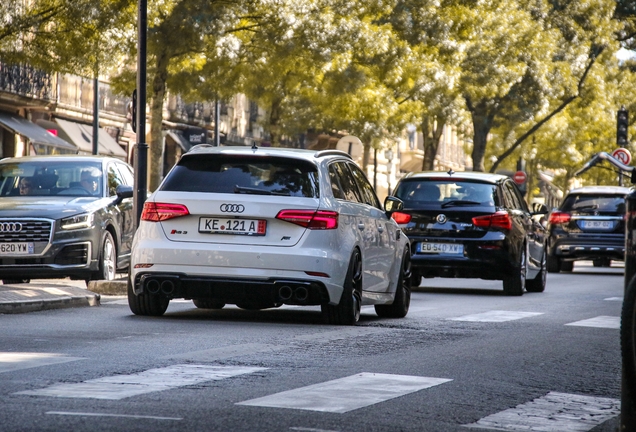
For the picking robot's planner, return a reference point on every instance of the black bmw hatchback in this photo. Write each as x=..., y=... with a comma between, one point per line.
x=472, y=225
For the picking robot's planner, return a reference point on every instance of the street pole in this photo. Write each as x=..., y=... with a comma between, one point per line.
x=141, y=151
x=96, y=114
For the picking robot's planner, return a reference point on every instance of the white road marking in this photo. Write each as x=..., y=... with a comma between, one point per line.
x=553, y=412
x=122, y=386
x=496, y=316
x=347, y=394
x=600, y=322
x=83, y=414
x=12, y=361
x=614, y=299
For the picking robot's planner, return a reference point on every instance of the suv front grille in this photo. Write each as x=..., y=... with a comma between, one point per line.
x=32, y=231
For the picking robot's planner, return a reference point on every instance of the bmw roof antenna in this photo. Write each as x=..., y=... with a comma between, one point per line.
x=254, y=147
x=450, y=172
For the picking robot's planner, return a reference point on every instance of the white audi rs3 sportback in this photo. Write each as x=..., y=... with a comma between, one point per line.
x=263, y=227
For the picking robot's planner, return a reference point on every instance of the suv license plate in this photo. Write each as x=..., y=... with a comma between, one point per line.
x=16, y=248
x=254, y=227
x=440, y=248
x=596, y=224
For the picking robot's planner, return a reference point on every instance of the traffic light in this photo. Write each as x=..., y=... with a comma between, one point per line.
x=622, y=122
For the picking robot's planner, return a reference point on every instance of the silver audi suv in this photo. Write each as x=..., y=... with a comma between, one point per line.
x=263, y=227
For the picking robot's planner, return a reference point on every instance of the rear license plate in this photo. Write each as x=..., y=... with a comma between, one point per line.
x=16, y=248
x=597, y=224
x=440, y=248
x=253, y=227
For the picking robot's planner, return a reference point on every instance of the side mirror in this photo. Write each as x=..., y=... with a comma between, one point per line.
x=392, y=204
x=538, y=208
x=123, y=192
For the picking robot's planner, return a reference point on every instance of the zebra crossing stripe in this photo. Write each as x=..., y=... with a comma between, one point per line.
x=13, y=361
x=553, y=412
x=122, y=386
x=600, y=322
x=496, y=316
x=347, y=394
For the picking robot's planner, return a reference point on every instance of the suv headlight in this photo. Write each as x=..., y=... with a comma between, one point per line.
x=80, y=221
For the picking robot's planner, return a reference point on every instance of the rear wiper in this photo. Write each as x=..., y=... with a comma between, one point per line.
x=249, y=190
x=459, y=203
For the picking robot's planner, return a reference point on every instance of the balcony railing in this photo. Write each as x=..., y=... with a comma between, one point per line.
x=24, y=80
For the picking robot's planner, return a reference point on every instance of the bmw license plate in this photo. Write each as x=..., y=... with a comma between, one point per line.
x=597, y=224
x=440, y=248
x=16, y=248
x=253, y=227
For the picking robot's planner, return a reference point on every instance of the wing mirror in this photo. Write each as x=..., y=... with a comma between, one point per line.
x=392, y=204
x=538, y=208
x=123, y=192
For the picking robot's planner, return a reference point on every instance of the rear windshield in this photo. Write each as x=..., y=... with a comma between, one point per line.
x=588, y=203
x=433, y=192
x=243, y=175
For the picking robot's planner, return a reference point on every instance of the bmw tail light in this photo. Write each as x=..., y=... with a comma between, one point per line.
x=557, y=218
x=318, y=220
x=401, y=218
x=157, y=212
x=500, y=219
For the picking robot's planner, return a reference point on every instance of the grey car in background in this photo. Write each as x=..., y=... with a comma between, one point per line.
x=65, y=216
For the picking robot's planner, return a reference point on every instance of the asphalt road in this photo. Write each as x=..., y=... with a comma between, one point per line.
x=465, y=358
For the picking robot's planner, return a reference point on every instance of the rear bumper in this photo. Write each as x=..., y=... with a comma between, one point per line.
x=242, y=291
x=586, y=249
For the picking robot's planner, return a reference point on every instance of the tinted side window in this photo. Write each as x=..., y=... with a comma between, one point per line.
x=347, y=182
x=511, y=198
x=336, y=189
x=127, y=174
x=365, y=187
x=114, y=179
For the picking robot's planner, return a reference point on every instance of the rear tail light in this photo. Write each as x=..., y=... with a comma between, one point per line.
x=401, y=218
x=157, y=212
x=319, y=220
x=500, y=219
x=557, y=218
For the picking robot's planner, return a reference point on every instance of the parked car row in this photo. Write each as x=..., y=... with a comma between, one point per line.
x=264, y=227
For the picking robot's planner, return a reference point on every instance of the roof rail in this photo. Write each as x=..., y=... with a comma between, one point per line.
x=332, y=152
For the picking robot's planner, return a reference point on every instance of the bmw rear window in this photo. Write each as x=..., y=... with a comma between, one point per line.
x=218, y=173
x=445, y=193
x=593, y=203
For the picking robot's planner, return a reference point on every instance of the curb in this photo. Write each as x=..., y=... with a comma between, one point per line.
x=58, y=303
x=113, y=287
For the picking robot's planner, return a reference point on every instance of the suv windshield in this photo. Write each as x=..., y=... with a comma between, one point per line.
x=70, y=178
x=587, y=203
x=220, y=173
x=447, y=193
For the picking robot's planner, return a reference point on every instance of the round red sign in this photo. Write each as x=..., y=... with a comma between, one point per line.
x=520, y=177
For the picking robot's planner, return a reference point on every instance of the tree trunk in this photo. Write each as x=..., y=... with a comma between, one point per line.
x=482, y=123
x=274, y=119
x=432, y=129
x=156, y=121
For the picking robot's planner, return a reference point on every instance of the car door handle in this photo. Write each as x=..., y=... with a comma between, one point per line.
x=360, y=226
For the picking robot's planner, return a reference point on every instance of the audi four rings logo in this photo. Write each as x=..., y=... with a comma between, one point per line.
x=232, y=208
x=10, y=227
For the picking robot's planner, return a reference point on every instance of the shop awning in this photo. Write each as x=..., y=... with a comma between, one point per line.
x=33, y=132
x=180, y=140
x=82, y=136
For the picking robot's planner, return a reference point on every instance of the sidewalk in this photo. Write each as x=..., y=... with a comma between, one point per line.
x=55, y=294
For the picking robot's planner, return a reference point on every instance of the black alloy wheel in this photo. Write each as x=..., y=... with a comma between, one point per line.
x=107, y=260
x=553, y=264
x=515, y=284
x=567, y=266
x=347, y=311
x=538, y=283
x=400, y=306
